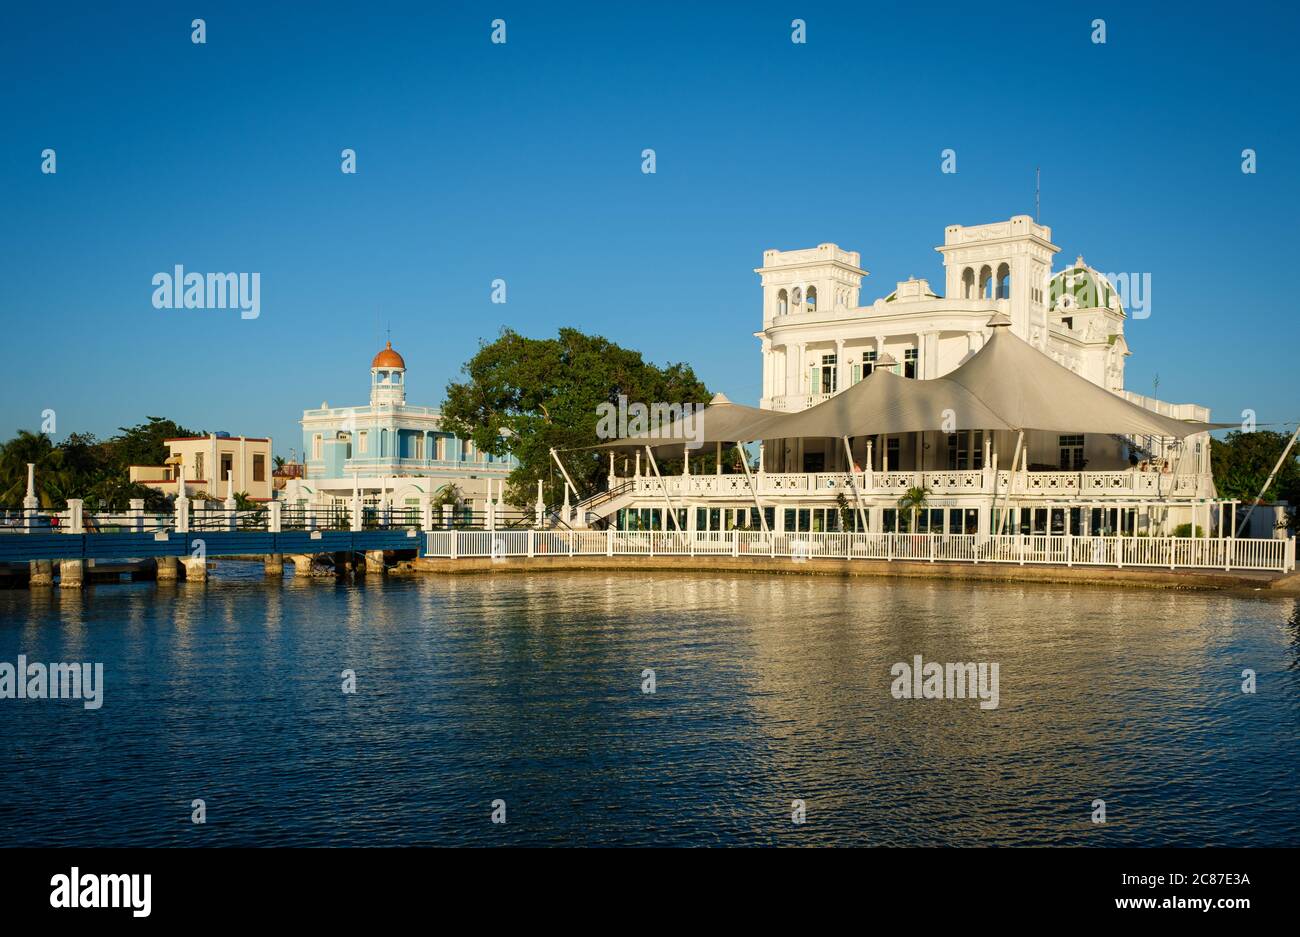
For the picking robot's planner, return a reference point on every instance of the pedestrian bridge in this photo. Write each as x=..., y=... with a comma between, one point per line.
x=33, y=535
x=113, y=546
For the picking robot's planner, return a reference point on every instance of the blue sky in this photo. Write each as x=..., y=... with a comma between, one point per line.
x=522, y=161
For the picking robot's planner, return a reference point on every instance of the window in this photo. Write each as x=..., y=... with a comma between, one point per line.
x=829, y=367
x=812, y=299
x=782, y=302
x=259, y=467
x=868, y=363
x=227, y=463
x=363, y=442
x=198, y=465
x=909, y=362
x=315, y=446
x=1072, y=459
x=891, y=450
x=958, y=452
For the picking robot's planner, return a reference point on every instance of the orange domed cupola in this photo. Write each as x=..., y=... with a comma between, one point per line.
x=387, y=358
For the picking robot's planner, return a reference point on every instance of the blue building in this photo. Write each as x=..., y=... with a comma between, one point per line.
x=390, y=451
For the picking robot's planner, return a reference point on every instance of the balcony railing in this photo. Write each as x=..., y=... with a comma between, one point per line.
x=1056, y=485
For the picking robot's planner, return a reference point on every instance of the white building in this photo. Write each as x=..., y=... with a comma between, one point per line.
x=818, y=339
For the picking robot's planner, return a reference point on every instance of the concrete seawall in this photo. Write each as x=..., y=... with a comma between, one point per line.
x=1132, y=577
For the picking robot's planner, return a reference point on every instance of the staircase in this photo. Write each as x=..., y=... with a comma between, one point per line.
x=603, y=503
x=1139, y=449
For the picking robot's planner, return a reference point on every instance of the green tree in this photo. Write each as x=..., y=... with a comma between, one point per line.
x=143, y=444
x=82, y=466
x=52, y=480
x=523, y=396
x=1241, y=463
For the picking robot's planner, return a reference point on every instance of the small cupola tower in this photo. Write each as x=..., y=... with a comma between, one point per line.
x=387, y=379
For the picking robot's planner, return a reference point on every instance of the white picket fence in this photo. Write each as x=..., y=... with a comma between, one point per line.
x=1151, y=552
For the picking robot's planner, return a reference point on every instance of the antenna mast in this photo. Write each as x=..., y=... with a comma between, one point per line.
x=1037, y=191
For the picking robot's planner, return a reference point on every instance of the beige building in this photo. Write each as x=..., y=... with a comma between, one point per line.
x=209, y=464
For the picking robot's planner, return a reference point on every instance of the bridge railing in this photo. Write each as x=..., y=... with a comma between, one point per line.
x=221, y=518
x=40, y=521
x=308, y=517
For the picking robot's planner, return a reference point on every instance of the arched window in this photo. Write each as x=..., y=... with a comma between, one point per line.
x=968, y=284
x=782, y=302
x=381, y=376
x=812, y=299
x=1004, y=282
x=986, y=283
x=397, y=377
x=798, y=298
x=383, y=443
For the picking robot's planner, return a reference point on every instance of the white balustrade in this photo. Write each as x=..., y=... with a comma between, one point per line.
x=1061, y=550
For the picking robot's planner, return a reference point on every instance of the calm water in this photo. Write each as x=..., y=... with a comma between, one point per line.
x=528, y=689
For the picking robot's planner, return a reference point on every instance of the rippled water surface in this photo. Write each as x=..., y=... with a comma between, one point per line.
x=528, y=689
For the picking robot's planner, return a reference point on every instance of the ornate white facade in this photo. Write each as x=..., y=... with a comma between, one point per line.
x=819, y=339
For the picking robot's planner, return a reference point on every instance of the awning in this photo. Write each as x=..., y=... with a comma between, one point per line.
x=884, y=402
x=1031, y=391
x=720, y=421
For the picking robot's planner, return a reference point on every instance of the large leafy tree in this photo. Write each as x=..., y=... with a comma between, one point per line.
x=523, y=396
x=1241, y=463
x=143, y=444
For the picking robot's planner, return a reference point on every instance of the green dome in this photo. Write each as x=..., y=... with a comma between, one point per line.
x=1082, y=287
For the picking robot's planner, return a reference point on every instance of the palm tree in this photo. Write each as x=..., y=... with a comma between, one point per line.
x=277, y=464
x=244, y=503
x=912, y=502
x=52, y=483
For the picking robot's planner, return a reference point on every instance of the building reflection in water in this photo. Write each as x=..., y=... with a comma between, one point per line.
x=768, y=689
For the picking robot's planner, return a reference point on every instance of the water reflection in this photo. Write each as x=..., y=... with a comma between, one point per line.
x=769, y=688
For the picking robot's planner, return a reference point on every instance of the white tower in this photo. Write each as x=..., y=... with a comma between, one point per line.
x=1007, y=260
x=803, y=282
x=387, y=379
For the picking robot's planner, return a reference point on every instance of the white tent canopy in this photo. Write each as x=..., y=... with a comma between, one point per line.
x=721, y=421
x=1006, y=385
x=1030, y=391
x=884, y=402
